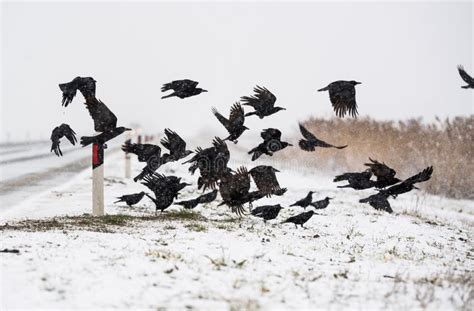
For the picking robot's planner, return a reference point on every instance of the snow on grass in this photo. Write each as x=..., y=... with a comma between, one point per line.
x=349, y=257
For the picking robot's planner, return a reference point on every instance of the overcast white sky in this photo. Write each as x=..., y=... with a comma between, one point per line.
x=405, y=54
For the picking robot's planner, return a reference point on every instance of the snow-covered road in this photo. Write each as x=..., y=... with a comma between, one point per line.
x=349, y=257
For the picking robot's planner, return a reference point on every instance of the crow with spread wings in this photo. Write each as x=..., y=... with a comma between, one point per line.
x=311, y=141
x=235, y=124
x=342, y=95
x=263, y=102
x=182, y=88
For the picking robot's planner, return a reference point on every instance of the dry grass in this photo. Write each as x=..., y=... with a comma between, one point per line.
x=407, y=146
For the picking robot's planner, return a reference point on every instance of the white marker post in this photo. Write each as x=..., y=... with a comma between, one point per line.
x=128, y=164
x=97, y=180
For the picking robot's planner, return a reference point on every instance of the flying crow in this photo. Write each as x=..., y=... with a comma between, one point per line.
x=235, y=124
x=176, y=146
x=143, y=151
x=182, y=88
x=311, y=142
x=85, y=85
x=385, y=175
x=271, y=143
x=265, y=179
x=234, y=189
x=103, y=137
x=263, y=102
x=300, y=219
x=267, y=212
x=342, y=96
x=131, y=199
x=59, y=132
x=467, y=78
x=165, y=188
x=357, y=181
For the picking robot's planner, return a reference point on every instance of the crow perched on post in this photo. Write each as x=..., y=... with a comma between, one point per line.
x=165, y=188
x=357, y=181
x=263, y=102
x=385, y=175
x=265, y=179
x=311, y=142
x=467, y=78
x=102, y=138
x=204, y=198
x=235, y=124
x=379, y=200
x=211, y=162
x=321, y=204
x=131, y=199
x=342, y=96
x=271, y=143
x=300, y=219
x=59, y=132
x=305, y=202
x=182, y=88
x=267, y=212
x=176, y=146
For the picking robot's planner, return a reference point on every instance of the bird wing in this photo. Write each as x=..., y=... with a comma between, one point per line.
x=265, y=179
x=420, y=177
x=183, y=84
x=271, y=134
x=343, y=100
x=262, y=99
x=223, y=120
x=380, y=170
x=464, y=75
x=237, y=115
x=306, y=134
x=173, y=142
x=68, y=133
x=104, y=118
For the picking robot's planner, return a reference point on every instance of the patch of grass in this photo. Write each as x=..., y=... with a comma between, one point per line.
x=196, y=227
x=182, y=215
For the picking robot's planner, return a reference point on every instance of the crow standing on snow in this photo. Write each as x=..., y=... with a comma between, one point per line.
x=379, y=201
x=321, y=204
x=263, y=102
x=182, y=88
x=176, y=146
x=311, y=142
x=305, y=202
x=342, y=96
x=385, y=175
x=131, y=199
x=59, y=132
x=205, y=198
x=165, y=188
x=467, y=78
x=271, y=144
x=300, y=219
x=357, y=181
x=265, y=179
x=267, y=212
x=235, y=124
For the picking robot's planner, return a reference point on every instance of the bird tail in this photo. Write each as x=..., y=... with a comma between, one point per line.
x=339, y=178
x=323, y=89
x=345, y=186
x=465, y=86
x=294, y=204
x=120, y=200
x=166, y=87
x=87, y=140
x=166, y=96
x=306, y=145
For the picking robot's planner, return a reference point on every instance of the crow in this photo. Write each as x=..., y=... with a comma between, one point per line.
x=59, y=132
x=357, y=181
x=235, y=124
x=305, y=202
x=379, y=201
x=311, y=142
x=385, y=175
x=265, y=179
x=131, y=199
x=176, y=146
x=263, y=102
x=321, y=204
x=205, y=198
x=234, y=189
x=182, y=88
x=267, y=212
x=271, y=143
x=300, y=219
x=103, y=137
x=342, y=96
x=85, y=85
x=165, y=188
x=143, y=151
x=467, y=78
x=211, y=162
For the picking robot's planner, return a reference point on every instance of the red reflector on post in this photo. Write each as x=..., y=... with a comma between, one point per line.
x=95, y=154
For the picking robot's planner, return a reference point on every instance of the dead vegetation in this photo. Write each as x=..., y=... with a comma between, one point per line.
x=407, y=146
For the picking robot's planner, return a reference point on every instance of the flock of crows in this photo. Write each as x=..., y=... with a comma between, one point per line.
x=234, y=186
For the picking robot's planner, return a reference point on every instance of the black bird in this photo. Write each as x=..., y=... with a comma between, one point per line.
x=467, y=78
x=176, y=146
x=267, y=212
x=165, y=188
x=211, y=162
x=311, y=142
x=234, y=189
x=265, y=179
x=385, y=175
x=271, y=143
x=143, y=151
x=103, y=137
x=342, y=95
x=59, y=132
x=205, y=198
x=321, y=204
x=85, y=85
x=379, y=201
x=305, y=202
x=263, y=102
x=235, y=124
x=182, y=88
x=357, y=181
x=300, y=219
x=131, y=199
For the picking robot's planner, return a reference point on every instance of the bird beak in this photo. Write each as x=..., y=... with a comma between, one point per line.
x=331, y=198
x=204, y=90
x=358, y=82
x=290, y=144
x=246, y=128
x=186, y=184
x=127, y=129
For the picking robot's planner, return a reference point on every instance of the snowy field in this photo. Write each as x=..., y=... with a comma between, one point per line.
x=348, y=257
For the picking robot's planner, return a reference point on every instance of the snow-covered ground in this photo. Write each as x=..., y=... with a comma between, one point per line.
x=349, y=257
